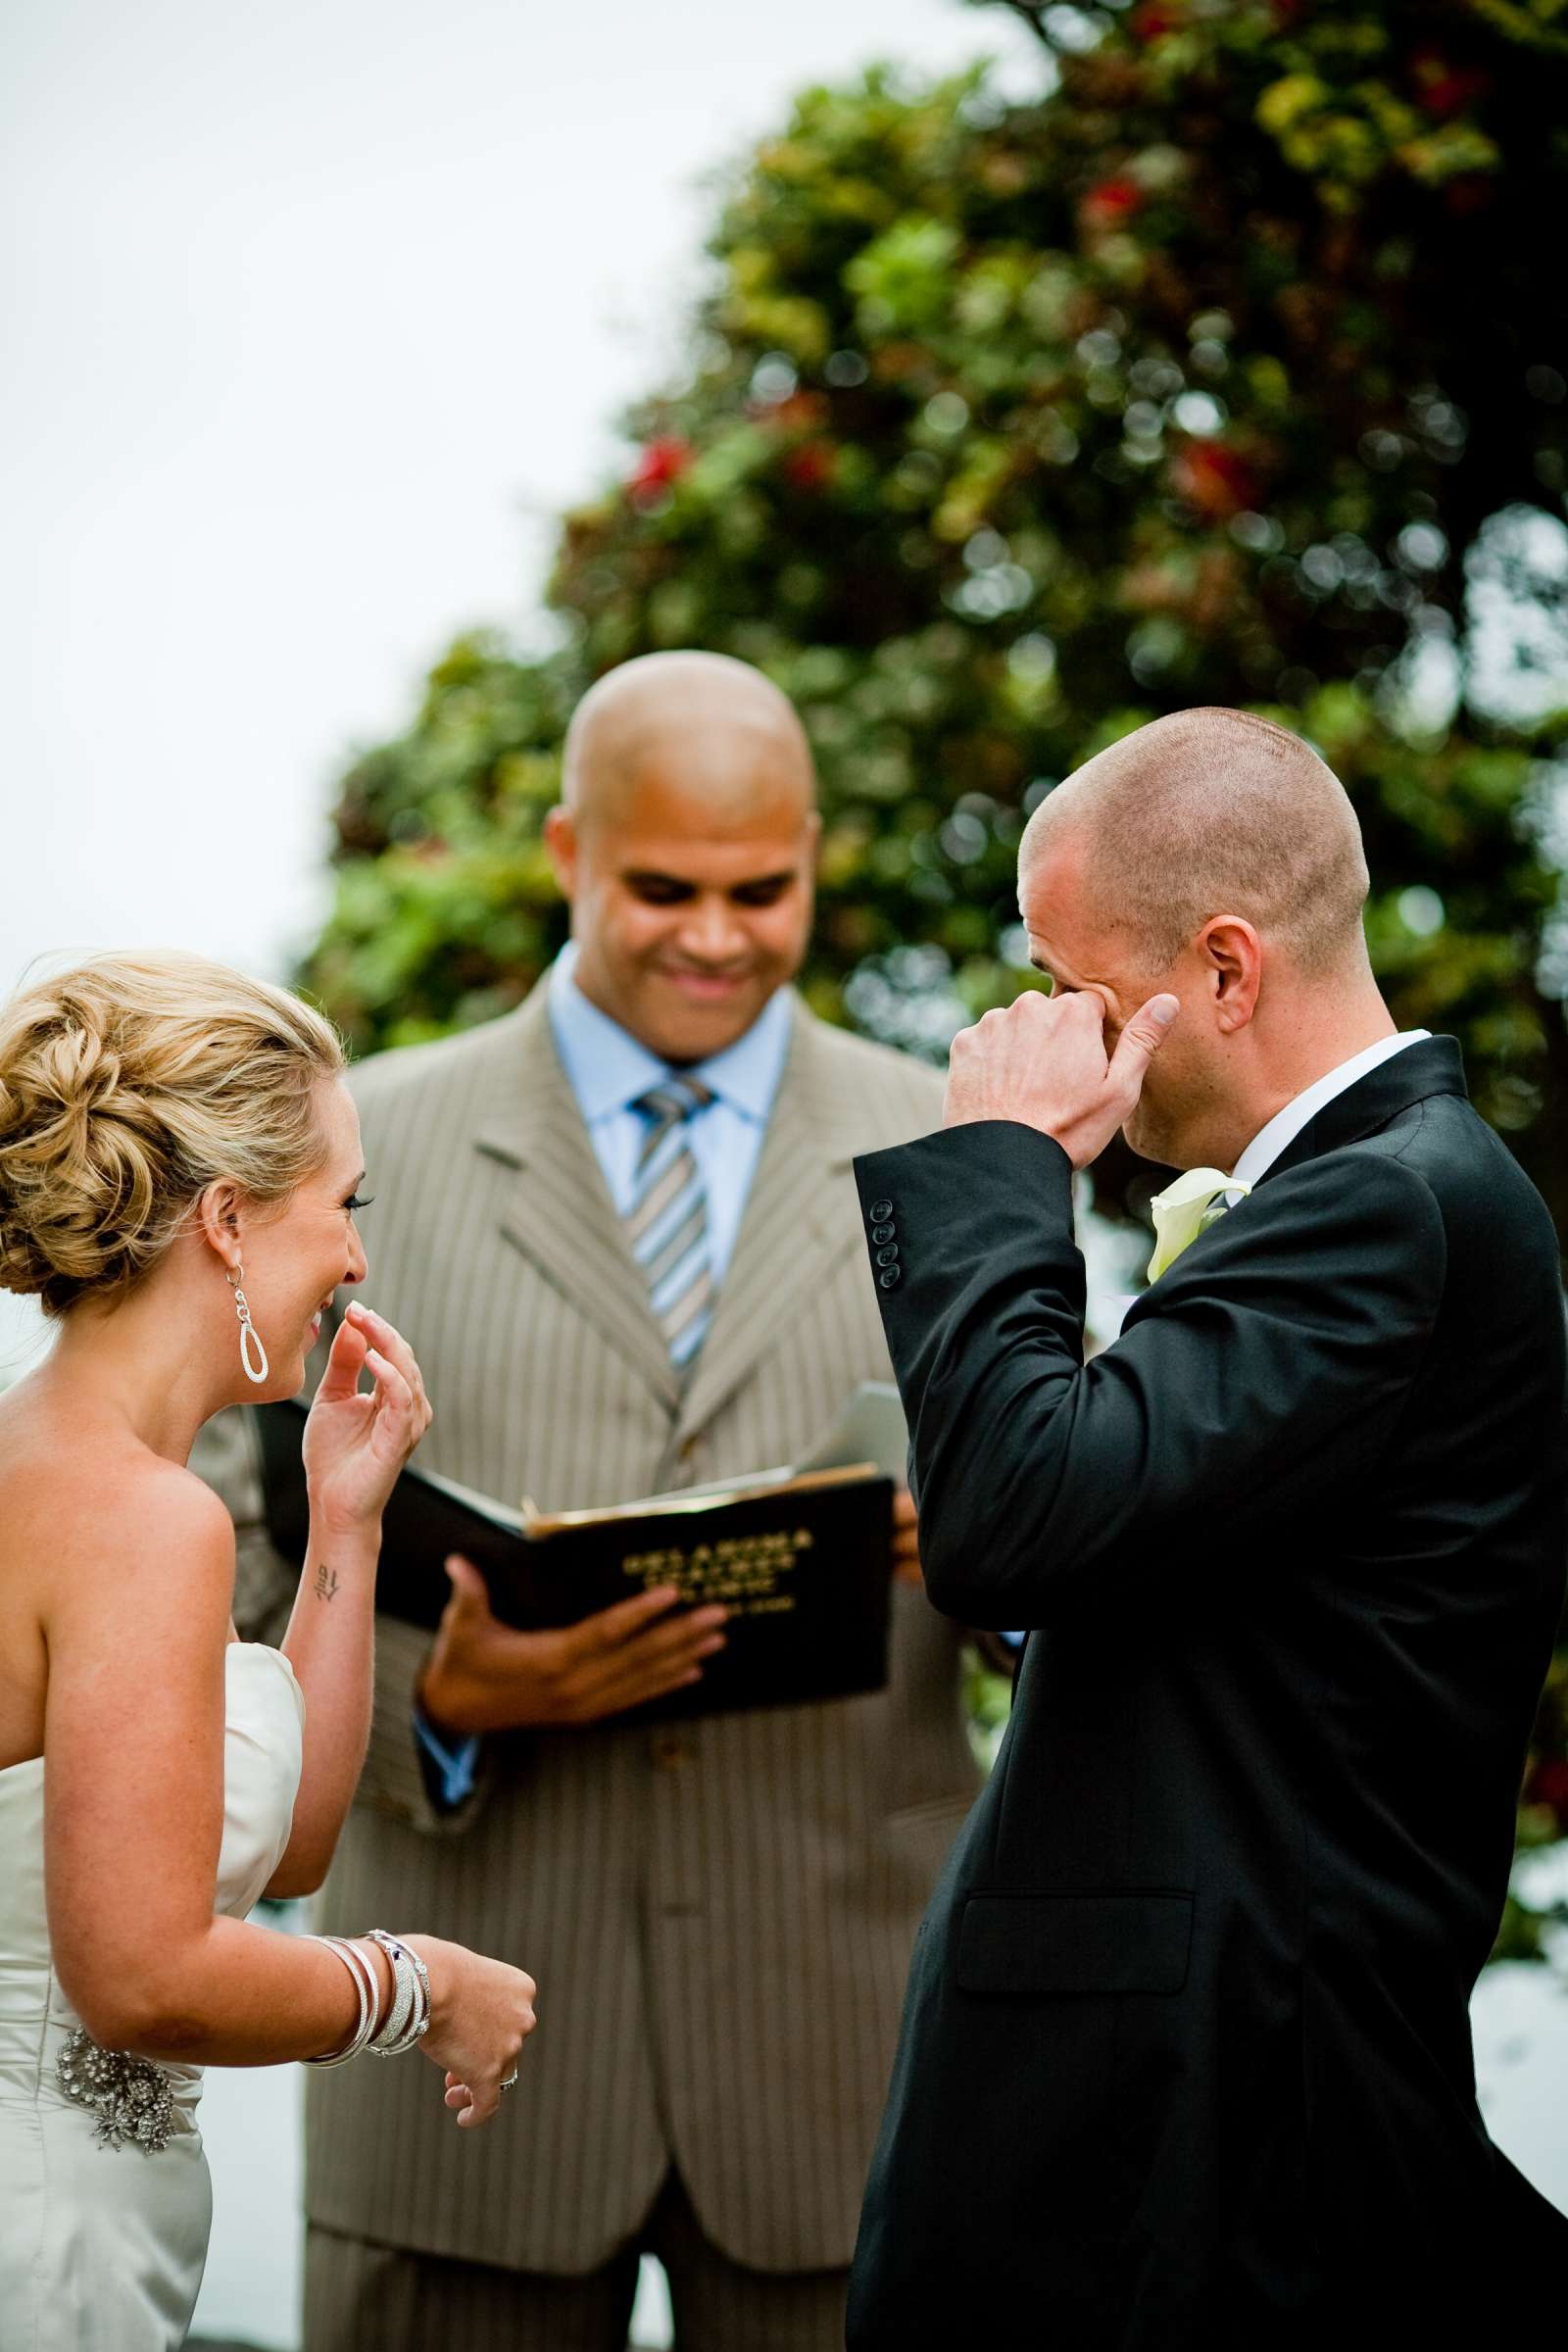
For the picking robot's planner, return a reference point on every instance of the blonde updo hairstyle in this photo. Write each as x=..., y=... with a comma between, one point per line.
x=129, y=1084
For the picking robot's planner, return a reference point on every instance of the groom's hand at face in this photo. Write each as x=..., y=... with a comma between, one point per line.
x=483, y=1676
x=1042, y=1064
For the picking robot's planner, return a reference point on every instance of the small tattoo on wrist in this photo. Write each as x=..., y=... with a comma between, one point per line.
x=326, y=1582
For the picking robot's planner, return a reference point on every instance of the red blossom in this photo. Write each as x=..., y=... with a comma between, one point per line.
x=1214, y=478
x=894, y=362
x=661, y=463
x=801, y=409
x=811, y=466
x=1441, y=90
x=1153, y=21
x=1111, y=202
x=1547, y=1784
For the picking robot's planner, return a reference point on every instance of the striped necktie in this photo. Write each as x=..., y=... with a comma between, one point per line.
x=666, y=1223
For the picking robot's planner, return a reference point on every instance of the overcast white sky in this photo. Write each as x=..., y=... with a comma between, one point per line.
x=316, y=312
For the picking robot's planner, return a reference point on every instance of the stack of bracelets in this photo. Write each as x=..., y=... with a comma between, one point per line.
x=410, y=2012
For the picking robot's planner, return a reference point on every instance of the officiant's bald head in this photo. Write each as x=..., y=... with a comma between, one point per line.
x=1214, y=855
x=686, y=843
x=716, y=729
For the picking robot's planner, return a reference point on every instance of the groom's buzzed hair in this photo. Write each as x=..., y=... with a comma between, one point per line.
x=1214, y=811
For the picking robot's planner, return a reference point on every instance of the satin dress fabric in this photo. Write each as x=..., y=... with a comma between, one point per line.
x=102, y=2249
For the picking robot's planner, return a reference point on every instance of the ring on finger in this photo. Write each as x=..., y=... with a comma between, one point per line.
x=508, y=2081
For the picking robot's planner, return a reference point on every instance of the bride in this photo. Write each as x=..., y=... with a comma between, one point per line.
x=180, y=1171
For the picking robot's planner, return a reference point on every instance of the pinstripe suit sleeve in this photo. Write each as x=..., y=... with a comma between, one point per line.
x=393, y=1778
x=228, y=1457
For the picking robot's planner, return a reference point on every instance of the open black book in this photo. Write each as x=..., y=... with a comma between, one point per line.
x=800, y=1557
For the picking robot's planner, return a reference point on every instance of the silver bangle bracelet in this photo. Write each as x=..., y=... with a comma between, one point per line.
x=363, y=1977
x=410, y=2016
x=353, y=1950
x=390, y=2038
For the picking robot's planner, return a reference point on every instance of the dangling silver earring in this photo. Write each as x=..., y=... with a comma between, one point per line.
x=249, y=1337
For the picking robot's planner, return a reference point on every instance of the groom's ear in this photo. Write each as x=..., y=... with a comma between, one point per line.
x=1232, y=952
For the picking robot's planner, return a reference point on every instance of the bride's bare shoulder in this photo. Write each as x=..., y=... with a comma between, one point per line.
x=83, y=1504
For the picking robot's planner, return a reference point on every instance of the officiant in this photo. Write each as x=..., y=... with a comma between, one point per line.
x=621, y=1229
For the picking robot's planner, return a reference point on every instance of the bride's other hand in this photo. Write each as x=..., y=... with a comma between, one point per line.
x=357, y=1440
x=482, y=2013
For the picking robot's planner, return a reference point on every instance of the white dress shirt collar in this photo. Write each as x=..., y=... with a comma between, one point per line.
x=1287, y=1124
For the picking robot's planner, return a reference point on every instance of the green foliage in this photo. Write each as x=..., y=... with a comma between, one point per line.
x=1532, y=1916
x=988, y=1702
x=1230, y=369
x=1008, y=425
x=446, y=909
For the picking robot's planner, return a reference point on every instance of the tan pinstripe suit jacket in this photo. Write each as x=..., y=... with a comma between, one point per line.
x=719, y=1916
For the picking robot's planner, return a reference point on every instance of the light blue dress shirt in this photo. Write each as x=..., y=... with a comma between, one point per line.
x=608, y=1069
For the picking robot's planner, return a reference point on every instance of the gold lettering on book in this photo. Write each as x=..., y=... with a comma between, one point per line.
x=741, y=1571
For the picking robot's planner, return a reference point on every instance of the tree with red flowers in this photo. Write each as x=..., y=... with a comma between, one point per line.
x=658, y=468
x=1231, y=368
x=1228, y=370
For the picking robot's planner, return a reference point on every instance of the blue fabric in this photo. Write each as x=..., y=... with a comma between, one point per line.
x=455, y=1767
x=608, y=1069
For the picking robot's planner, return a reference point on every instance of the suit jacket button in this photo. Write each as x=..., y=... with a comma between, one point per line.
x=880, y=1209
x=883, y=1233
x=889, y=1276
x=889, y=1256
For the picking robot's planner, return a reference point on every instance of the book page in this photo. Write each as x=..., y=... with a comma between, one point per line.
x=871, y=1427
x=869, y=1438
x=689, y=1500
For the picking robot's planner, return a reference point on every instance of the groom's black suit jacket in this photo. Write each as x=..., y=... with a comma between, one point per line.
x=1186, y=2058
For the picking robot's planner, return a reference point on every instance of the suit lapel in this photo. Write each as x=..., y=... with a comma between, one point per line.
x=558, y=1209
x=1435, y=1067
x=789, y=1234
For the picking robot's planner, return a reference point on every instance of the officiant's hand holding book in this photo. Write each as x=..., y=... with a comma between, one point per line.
x=792, y=1571
x=769, y=1590
x=485, y=1676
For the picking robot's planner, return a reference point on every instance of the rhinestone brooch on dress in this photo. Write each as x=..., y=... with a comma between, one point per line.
x=131, y=2097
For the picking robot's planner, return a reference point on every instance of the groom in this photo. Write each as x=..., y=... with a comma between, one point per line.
x=1185, y=2057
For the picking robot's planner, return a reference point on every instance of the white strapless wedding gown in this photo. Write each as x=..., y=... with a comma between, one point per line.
x=102, y=2247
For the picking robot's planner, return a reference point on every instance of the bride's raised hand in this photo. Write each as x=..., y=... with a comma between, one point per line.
x=357, y=1440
